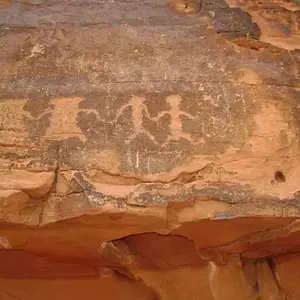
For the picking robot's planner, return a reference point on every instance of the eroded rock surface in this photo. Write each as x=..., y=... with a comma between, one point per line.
x=149, y=149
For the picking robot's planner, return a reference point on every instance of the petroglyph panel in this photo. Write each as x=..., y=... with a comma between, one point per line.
x=149, y=132
x=155, y=131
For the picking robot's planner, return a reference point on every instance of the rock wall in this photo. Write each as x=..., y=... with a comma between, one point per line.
x=149, y=149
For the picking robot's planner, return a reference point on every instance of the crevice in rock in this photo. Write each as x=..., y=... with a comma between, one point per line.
x=68, y=194
x=117, y=179
x=250, y=269
x=9, y=294
x=258, y=236
x=128, y=274
x=272, y=267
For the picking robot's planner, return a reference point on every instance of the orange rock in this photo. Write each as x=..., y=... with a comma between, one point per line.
x=149, y=149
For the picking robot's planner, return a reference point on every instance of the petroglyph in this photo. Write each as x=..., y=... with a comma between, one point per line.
x=175, y=112
x=63, y=120
x=62, y=114
x=138, y=107
x=12, y=115
x=13, y=122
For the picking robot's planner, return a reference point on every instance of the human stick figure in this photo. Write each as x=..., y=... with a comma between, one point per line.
x=138, y=109
x=175, y=127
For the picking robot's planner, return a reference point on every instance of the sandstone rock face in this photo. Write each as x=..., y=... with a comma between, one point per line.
x=149, y=149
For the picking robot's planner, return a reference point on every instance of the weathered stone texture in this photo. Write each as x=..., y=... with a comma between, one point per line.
x=149, y=149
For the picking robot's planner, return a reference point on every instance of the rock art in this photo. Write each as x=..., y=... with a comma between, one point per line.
x=149, y=149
